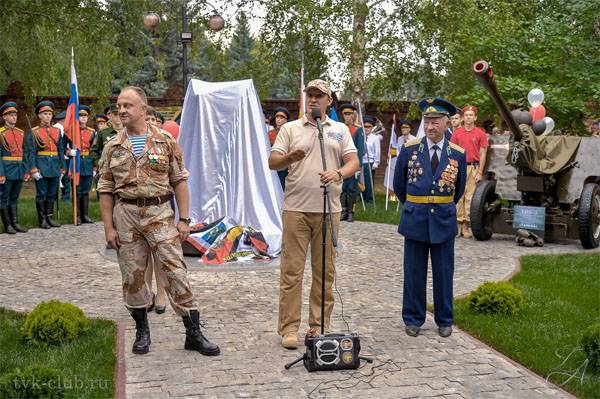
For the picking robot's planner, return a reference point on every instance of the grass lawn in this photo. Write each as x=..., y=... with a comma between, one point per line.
x=88, y=362
x=28, y=214
x=562, y=298
x=378, y=214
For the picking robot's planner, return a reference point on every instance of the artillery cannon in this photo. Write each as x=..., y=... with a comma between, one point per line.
x=559, y=173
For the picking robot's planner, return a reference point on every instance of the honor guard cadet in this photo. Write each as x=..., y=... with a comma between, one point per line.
x=13, y=168
x=86, y=165
x=106, y=134
x=350, y=189
x=429, y=180
x=46, y=162
x=101, y=121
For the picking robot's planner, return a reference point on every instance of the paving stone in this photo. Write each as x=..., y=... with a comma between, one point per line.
x=239, y=305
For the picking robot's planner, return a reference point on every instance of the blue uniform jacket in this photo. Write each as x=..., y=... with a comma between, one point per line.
x=38, y=144
x=429, y=222
x=13, y=140
x=86, y=161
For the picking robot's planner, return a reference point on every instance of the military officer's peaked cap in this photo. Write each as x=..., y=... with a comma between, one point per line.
x=9, y=106
x=62, y=115
x=282, y=110
x=435, y=107
x=45, y=105
x=347, y=106
x=369, y=119
x=101, y=117
x=404, y=122
x=86, y=108
x=111, y=108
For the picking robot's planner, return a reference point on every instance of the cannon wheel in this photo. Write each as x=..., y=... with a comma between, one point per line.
x=481, y=219
x=589, y=216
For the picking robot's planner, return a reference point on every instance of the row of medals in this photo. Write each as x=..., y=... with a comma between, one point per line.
x=447, y=179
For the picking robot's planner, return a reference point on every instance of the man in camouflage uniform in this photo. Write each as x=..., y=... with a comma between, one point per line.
x=141, y=168
x=105, y=134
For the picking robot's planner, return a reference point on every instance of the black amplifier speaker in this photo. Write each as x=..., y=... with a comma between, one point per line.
x=332, y=352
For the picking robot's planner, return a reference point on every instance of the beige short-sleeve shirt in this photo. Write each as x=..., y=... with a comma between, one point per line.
x=303, y=192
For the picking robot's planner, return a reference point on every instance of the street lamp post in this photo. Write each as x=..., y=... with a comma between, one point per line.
x=215, y=23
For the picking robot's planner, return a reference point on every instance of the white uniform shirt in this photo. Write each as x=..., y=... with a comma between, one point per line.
x=373, y=149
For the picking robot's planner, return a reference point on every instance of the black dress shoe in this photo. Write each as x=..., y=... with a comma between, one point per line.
x=445, y=331
x=412, y=331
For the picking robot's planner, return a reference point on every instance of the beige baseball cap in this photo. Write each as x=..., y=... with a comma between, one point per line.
x=320, y=85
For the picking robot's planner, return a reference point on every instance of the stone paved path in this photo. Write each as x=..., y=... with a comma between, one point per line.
x=240, y=307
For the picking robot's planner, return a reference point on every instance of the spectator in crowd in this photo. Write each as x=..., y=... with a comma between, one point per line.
x=475, y=142
x=281, y=117
x=371, y=158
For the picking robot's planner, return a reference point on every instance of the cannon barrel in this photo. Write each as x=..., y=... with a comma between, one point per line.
x=485, y=75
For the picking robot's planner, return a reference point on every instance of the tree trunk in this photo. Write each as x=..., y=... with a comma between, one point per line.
x=358, y=53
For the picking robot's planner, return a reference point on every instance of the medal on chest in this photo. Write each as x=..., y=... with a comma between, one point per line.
x=447, y=181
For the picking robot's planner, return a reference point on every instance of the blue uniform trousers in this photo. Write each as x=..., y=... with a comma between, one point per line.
x=368, y=194
x=46, y=189
x=350, y=187
x=282, y=175
x=65, y=193
x=416, y=254
x=10, y=194
x=85, y=184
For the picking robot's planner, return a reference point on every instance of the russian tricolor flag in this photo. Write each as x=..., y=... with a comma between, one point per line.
x=72, y=123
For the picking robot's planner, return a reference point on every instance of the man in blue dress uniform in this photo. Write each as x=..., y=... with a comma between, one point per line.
x=350, y=189
x=13, y=168
x=86, y=163
x=429, y=179
x=46, y=162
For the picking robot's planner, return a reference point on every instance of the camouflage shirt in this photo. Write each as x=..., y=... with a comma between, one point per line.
x=154, y=173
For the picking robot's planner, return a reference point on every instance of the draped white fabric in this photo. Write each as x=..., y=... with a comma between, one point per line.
x=226, y=149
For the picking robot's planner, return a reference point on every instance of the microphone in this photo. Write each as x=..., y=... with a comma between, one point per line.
x=316, y=115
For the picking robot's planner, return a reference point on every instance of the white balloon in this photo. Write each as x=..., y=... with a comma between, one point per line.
x=535, y=97
x=549, y=124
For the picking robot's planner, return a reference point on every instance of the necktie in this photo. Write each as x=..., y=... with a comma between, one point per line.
x=435, y=161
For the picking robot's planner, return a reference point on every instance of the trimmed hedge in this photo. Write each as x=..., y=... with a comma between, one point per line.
x=54, y=322
x=496, y=297
x=32, y=383
x=590, y=343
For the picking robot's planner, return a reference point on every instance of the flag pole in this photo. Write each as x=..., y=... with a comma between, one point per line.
x=389, y=167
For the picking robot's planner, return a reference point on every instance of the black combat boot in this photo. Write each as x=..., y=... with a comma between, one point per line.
x=14, y=218
x=85, y=205
x=194, y=339
x=141, y=345
x=6, y=221
x=344, y=203
x=351, y=208
x=49, y=213
x=41, y=212
x=79, y=210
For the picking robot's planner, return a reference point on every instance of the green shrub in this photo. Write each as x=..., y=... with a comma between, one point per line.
x=494, y=297
x=32, y=383
x=590, y=342
x=54, y=322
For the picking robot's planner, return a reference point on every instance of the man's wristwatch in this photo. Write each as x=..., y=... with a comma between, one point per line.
x=340, y=174
x=185, y=220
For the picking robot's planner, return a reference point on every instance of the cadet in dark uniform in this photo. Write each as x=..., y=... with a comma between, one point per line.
x=65, y=181
x=13, y=168
x=105, y=134
x=101, y=121
x=86, y=165
x=46, y=162
x=429, y=180
x=350, y=186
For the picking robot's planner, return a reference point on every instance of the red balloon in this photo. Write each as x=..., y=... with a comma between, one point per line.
x=171, y=127
x=537, y=113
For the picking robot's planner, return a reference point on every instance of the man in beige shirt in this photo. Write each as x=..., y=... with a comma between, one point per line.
x=297, y=147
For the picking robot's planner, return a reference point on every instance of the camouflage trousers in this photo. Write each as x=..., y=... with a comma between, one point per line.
x=145, y=230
